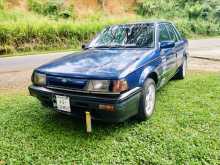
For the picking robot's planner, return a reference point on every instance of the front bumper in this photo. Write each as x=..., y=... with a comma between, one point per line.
x=125, y=105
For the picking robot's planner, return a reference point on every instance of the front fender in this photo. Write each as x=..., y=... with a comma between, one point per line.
x=145, y=73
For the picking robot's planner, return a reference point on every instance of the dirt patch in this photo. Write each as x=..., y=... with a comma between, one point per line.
x=111, y=8
x=86, y=8
x=115, y=7
x=15, y=80
x=204, y=65
x=16, y=4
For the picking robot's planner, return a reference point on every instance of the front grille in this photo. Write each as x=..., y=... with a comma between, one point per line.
x=66, y=83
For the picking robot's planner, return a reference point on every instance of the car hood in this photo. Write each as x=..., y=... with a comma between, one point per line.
x=95, y=63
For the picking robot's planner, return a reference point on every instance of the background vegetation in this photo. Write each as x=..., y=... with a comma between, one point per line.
x=27, y=25
x=199, y=17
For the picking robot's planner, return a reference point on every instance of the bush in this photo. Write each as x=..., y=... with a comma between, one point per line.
x=150, y=8
x=191, y=16
x=2, y=4
x=65, y=14
x=194, y=11
x=36, y=6
x=159, y=8
x=54, y=8
x=217, y=13
x=45, y=34
x=30, y=31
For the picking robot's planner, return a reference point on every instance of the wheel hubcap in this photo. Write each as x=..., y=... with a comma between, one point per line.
x=150, y=99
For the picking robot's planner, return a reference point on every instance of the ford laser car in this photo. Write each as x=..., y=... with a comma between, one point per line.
x=117, y=74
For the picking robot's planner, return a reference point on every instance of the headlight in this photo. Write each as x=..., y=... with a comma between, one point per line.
x=39, y=79
x=98, y=85
x=116, y=86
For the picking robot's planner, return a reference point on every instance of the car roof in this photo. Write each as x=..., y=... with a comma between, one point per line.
x=147, y=22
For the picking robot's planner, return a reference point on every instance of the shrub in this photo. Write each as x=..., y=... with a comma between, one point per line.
x=158, y=8
x=36, y=6
x=2, y=4
x=54, y=8
x=183, y=26
x=66, y=14
x=191, y=16
x=217, y=13
x=45, y=34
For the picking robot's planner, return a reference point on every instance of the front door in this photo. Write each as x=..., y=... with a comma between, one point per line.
x=168, y=55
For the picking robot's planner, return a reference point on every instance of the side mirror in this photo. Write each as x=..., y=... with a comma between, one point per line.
x=167, y=44
x=84, y=46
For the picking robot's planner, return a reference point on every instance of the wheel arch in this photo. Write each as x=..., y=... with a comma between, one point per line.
x=154, y=76
x=149, y=72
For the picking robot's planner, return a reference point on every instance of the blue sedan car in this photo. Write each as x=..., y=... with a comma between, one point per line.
x=117, y=74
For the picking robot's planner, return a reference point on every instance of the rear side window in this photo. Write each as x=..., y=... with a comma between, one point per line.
x=164, y=35
x=177, y=33
x=172, y=33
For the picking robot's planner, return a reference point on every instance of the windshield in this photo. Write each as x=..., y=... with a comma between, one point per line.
x=136, y=35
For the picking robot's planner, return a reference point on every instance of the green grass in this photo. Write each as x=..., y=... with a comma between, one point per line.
x=185, y=129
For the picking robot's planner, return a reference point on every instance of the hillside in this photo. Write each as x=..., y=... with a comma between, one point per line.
x=30, y=25
x=80, y=8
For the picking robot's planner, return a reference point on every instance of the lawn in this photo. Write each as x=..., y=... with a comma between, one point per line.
x=185, y=129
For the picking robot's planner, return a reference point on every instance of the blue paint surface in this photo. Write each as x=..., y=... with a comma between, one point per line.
x=132, y=64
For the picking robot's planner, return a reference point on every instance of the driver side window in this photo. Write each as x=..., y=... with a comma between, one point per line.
x=164, y=35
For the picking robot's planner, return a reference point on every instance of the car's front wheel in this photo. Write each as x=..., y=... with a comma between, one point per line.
x=148, y=99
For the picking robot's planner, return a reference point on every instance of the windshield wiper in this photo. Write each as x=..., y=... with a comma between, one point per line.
x=102, y=46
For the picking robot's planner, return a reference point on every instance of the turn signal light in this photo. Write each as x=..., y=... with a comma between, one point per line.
x=109, y=108
x=120, y=86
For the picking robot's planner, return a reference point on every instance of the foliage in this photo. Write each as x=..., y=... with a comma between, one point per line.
x=23, y=36
x=2, y=4
x=192, y=17
x=217, y=13
x=151, y=8
x=184, y=130
x=19, y=33
x=51, y=7
x=51, y=24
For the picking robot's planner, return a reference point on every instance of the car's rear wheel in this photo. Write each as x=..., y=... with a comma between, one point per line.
x=181, y=74
x=147, y=101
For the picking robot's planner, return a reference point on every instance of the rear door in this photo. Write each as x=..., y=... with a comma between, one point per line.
x=179, y=43
x=168, y=55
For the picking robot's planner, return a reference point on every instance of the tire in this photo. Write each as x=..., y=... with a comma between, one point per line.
x=181, y=73
x=146, y=108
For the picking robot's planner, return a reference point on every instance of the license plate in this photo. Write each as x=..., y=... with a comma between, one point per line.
x=63, y=103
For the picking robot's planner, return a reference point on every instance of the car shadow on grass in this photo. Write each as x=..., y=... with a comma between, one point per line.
x=56, y=121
